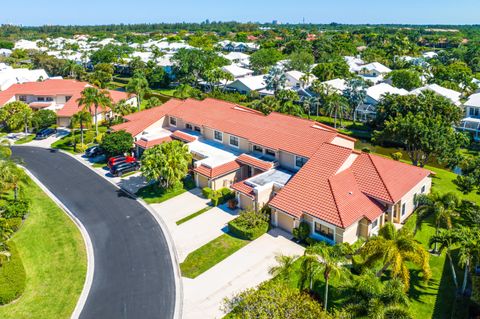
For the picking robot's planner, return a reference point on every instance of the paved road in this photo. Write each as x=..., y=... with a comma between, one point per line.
x=133, y=276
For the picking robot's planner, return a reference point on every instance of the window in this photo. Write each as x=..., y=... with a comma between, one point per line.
x=403, y=209
x=269, y=152
x=23, y=98
x=324, y=230
x=423, y=189
x=40, y=99
x=375, y=223
x=197, y=129
x=300, y=161
x=67, y=98
x=218, y=136
x=189, y=126
x=49, y=99
x=257, y=149
x=233, y=140
x=173, y=121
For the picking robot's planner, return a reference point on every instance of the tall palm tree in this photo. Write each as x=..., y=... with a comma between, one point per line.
x=10, y=177
x=446, y=239
x=81, y=118
x=469, y=250
x=93, y=97
x=310, y=268
x=123, y=108
x=442, y=206
x=138, y=85
x=330, y=259
x=284, y=266
x=337, y=106
x=275, y=80
x=394, y=248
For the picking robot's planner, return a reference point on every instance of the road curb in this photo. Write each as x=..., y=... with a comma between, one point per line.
x=168, y=237
x=86, y=239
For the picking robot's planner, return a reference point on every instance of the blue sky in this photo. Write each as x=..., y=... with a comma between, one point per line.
x=31, y=12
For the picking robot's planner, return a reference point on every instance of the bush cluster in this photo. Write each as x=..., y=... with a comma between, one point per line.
x=249, y=225
x=218, y=197
x=12, y=276
x=301, y=232
x=15, y=208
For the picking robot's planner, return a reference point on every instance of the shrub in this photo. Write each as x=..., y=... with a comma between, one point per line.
x=366, y=150
x=80, y=148
x=117, y=143
x=12, y=276
x=396, y=156
x=249, y=225
x=14, y=223
x=301, y=232
x=207, y=192
x=13, y=209
x=43, y=119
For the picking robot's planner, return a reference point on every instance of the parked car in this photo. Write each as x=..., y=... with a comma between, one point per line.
x=43, y=134
x=127, y=167
x=114, y=160
x=94, y=151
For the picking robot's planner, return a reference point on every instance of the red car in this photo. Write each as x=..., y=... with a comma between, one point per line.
x=120, y=159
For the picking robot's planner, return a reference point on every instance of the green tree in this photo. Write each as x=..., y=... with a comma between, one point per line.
x=98, y=99
x=284, y=266
x=266, y=105
x=11, y=175
x=325, y=71
x=117, y=143
x=336, y=106
x=153, y=102
x=263, y=59
x=166, y=163
x=275, y=80
x=356, y=93
x=185, y=91
x=275, y=300
x=43, y=119
x=405, y=79
x=123, y=108
x=16, y=115
x=102, y=75
x=301, y=60
x=446, y=239
x=82, y=118
x=330, y=259
x=137, y=85
x=394, y=248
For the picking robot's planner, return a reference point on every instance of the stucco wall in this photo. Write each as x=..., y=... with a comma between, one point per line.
x=408, y=199
x=287, y=160
x=225, y=181
x=245, y=202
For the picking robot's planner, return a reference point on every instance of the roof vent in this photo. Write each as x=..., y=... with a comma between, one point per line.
x=350, y=193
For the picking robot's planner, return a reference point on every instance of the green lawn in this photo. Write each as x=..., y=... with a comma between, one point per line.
x=152, y=193
x=25, y=139
x=54, y=257
x=210, y=254
x=201, y=211
x=167, y=92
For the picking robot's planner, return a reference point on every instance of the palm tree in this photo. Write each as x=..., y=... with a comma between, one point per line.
x=442, y=206
x=122, y=108
x=92, y=96
x=337, y=106
x=138, y=85
x=395, y=248
x=10, y=177
x=81, y=118
x=355, y=93
x=330, y=259
x=310, y=268
x=284, y=266
x=446, y=239
x=275, y=80
x=469, y=249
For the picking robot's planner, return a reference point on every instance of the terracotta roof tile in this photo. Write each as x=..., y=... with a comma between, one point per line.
x=255, y=162
x=243, y=188
x=147, y=144
x=219, y=170
x=185, y=137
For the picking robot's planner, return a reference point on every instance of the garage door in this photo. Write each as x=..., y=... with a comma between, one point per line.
x=285, y=221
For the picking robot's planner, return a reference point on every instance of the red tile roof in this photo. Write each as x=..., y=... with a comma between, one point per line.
x=255, y=162
x=55, y=87
x=341, y=198
x=187, y=138
x=138, y=122
x=219, y=170
x=243, y=188
x=147, y=144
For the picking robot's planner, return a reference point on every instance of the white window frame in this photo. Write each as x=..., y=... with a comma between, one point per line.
x=403, y=209
x=375, y=221
x=269, y=149
x=170, y=121
x=318, y=221
x=189, y=126
x=215, y=138
x=230, y=141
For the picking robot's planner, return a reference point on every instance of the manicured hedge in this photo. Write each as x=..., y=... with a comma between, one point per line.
x=218, y=197
x=12, y=277
x=247, y=233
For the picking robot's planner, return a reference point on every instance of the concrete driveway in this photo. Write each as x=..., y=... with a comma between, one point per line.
x=245, y=269
x=198, y=231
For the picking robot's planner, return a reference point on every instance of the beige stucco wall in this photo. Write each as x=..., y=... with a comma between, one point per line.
x=287, y=160
x=225, y=181
x=245, y=202
x=408, y=199
x=284, y=221
x=263, y=196
x=63, y=121
x=202, y=181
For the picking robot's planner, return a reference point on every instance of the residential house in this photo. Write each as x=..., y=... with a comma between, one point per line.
x=368, y=110
x=232, y=46
x=5, y=52
x=449, y=94
x=471, y=122
x=247, y=84
x=239, y=58
x=339, y=85
x=297, y=79
x=57, y=95
x=237, y=71
x=10, y=76
x=303, y=170
x=373, y=72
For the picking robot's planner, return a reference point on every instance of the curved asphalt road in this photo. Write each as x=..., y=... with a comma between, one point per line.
x=133, y=272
